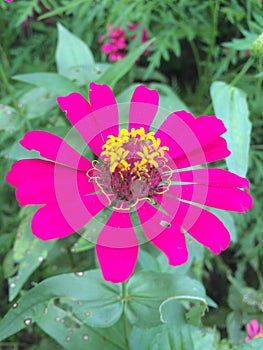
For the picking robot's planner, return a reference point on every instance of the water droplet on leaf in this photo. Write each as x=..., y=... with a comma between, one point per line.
x=79, y=274
x=15, y=305
x=28, y=321
x=40, y=259
x=87, y=313
x=67, y=339
x=12, y=285
x=85, y=337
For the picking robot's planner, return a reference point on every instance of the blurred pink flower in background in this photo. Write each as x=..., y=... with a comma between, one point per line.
x=253, y=330
x=117, y=41
x=8, y=0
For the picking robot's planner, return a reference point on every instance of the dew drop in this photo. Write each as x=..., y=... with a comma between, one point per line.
x=20, y=104
x=40, y=259
x=6, y=156
x=28, y=252
x=12, y=285
x=15, y=305
x=79, y=274
x=19, y=235
x=17, y=277
x=28, y=321
x=67, y=339
x=57, y=319
x=85, y=337
x=8, y=112
x=87, y=313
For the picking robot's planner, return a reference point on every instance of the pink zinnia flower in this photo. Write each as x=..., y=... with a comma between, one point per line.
x=254, y=331
x=118, y=41
x=137, y=178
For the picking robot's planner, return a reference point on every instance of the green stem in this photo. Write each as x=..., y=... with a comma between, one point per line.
x=197, y=58
x=12, y=96
x=243, y=71
x=259, y=83
x=214, y=6
x=124, y=320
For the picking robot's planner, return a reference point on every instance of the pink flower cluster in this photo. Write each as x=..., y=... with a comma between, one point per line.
x=118, y=41
x=254, y=331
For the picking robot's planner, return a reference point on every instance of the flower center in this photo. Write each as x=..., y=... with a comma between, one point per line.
x=132, y=167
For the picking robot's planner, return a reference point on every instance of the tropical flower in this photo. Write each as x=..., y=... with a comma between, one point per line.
x=138, y=188
x=253, y=330
x=118, y=41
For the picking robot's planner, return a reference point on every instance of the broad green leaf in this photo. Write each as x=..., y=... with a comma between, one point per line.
x=29, y=253
x=142, y=338
x=83, y=286
x=17, y=152
x=170, y=310
x=52, y=82
x=10, y=121
x=255, y=344
x=230, y=105
x=71, y=333
x=173, y=338
x=120, y=68
x=169, y=99
x=228, y=221
x=83, y=75
x=71, y=52
x=146, y=290
x=37, y=102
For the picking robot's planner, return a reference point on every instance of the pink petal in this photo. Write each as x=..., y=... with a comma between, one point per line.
x=75, y=106
x=54, y=148
x=107, y=48
x=202, y=225
x=189, y=138
x=247, y=339
x=54, y=221
x=252, y=328
x=37, y=182
x=117, y=248
x=105, y=115
x=171, y=241
x=143, y=107
x=221, y=198
x=25, y=169
x=116, y=56
x=211, y=177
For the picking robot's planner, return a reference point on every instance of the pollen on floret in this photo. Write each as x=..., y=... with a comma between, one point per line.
x=132, y=167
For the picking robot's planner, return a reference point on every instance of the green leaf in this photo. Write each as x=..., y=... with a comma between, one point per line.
x=37, y=102
x=88, y=286
x=230, y=105
x=10, y=121
x=17, y=152
x=169, y=99
x=173, y=338
x=29, y=253
x=52, y=82
x=83, y=75
x=146, y=290
x=71, y=333
x=228, y=221
x=71, y=51
x=120, y=68
x=255, y=344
